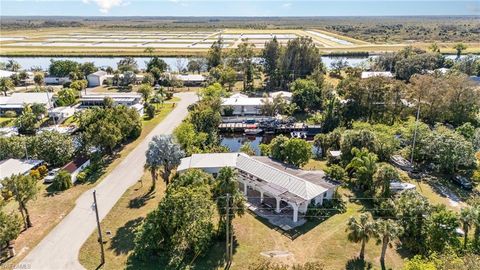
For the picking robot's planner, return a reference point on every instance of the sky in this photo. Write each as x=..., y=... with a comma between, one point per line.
x=237, y=7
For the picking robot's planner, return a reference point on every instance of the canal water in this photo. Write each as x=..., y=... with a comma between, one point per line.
x=234, y=141
x=173, y=62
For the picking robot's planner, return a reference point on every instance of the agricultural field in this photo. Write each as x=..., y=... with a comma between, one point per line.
x=165, y=40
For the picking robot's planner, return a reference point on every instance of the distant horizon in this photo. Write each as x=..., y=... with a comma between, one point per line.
x=239, y=8
x=239, y=16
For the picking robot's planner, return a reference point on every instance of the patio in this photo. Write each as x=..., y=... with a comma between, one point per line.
x=266, y=210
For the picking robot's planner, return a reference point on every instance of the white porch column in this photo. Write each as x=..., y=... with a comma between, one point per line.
x=295, y=212
x=245, y=188
x=261, y=196
x=277, y=208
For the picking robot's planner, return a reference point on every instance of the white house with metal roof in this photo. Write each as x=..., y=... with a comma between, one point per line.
x=285, y=184
x=9, y=167
x=369, y=74
x=17, y=101
x=191, y=79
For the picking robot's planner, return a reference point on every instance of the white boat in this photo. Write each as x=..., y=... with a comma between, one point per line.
x=298, y=134
x=253, y=131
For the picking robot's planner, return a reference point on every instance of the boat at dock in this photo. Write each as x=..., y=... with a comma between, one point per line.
x=253, y=131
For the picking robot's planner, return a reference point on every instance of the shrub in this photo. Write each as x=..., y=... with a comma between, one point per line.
x=62, y=181
x=327, y=209
x=169, y=95
x=337, y=173
x=228, y=111
x=35, y=174
x=42, y=170
x=10, y=114
x=82, y=177
x=150, y=110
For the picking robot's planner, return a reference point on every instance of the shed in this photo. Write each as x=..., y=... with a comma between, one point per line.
x=96, y=78
x=75, y=166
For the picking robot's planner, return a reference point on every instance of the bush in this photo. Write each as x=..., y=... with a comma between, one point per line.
x=35, y=174
x=337, y=173
x=169, y=95
x=328, y=208
x=150, y=110
x=82, y=177
x=43, y=170
x=228, y=111
x=10, y=114
x=62, y=181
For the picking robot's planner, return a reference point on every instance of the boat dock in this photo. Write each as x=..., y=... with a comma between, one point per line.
x=280, y=128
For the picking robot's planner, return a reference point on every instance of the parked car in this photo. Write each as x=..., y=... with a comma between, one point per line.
x=462, y=181
x=51, y=175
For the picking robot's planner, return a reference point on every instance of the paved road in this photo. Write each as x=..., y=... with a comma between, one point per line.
x=60, y=248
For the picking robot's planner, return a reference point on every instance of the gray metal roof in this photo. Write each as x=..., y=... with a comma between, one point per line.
x=292, y=183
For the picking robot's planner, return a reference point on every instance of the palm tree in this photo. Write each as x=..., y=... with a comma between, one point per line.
x=364, y=165
x=383, y=177
x=226, y=183
x=5, y=85
x=459, y=47
x=153, y=167
x=12, y=65
x=386, y=231
x=360, y=231
x=467, y=217
x=434, y=47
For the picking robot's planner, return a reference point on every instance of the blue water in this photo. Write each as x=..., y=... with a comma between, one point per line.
x=173, y=62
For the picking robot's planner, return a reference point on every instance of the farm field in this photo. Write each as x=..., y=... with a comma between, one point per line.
x=96, y=42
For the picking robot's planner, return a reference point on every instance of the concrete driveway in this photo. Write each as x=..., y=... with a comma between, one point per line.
x=60, y=248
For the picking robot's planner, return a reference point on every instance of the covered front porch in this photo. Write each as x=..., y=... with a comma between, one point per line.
x=272, y=202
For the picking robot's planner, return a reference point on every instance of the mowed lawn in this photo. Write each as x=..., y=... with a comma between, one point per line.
x=121, y=221
x=324, y=242
x=50, y=208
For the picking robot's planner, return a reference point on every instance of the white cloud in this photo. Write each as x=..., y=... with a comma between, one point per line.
x=106, y=5
x=286, y=5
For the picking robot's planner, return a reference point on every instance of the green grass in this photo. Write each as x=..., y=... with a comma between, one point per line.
x=6, y=121
x=324, y=242
x=121, y=221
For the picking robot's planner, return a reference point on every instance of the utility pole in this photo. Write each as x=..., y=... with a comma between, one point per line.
x=51, y=106
x=415, y=132
x=100, y=239
x=227, y=223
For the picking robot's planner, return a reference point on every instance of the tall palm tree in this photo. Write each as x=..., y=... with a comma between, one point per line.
x=364, y=165
x=459, y=47
x=467, y=217
x=226, y=183
x=13, y=65
x=386, y=231
x=5, y=85
x=153, y=167
x=434, y=47
x=360, y=231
